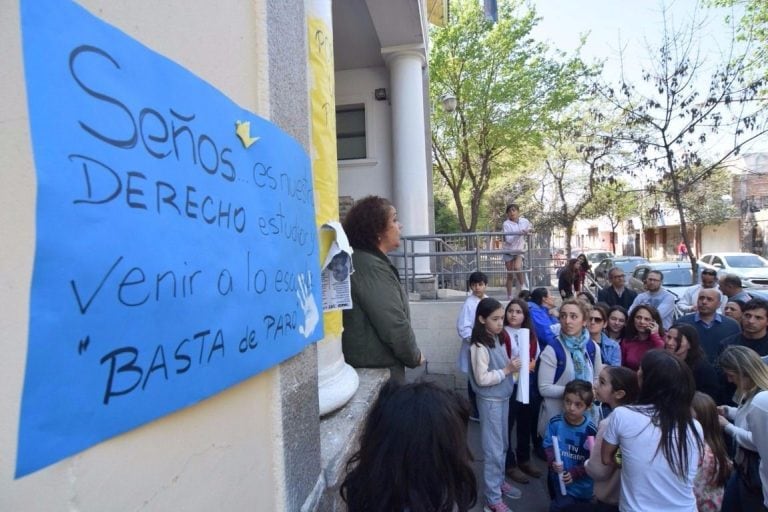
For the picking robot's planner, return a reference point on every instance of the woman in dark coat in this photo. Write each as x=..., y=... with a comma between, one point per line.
x=377, y=330
x=569, y=276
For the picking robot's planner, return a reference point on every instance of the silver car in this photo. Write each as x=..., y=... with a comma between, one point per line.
x=751, y=268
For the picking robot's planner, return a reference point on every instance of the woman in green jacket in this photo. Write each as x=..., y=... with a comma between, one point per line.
x=377, y=330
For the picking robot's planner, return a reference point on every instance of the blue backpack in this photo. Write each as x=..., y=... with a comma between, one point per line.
x=560, y=368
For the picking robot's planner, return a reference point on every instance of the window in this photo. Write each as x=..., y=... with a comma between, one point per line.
x=350, y=132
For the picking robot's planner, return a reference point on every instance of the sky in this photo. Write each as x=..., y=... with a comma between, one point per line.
x=629, y=25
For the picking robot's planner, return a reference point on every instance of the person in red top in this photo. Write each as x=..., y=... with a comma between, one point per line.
x=682, y=251
x=643, y=333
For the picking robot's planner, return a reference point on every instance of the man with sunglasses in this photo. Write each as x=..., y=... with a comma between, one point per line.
x=688, y=301
x=617, y=294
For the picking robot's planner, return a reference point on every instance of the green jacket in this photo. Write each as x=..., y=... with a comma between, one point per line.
x=377, y=330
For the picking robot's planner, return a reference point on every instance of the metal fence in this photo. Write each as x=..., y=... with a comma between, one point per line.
x=450, y=258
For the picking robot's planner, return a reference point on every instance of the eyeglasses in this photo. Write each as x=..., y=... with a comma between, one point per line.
x=615, y=276
x=596, y=319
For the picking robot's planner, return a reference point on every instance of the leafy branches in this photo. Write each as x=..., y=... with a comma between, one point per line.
x=683, y=120
x=508, y=90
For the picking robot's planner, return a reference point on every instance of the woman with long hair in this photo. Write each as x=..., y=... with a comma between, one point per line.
x=616, y=386
x=583, y=269
x=609, y=349
x=715, y=468
x=743, y=367
x=521, y=409
x=568, y=278
x=660, y=441
x=617, y=321
x=413, y=453
x=643, y=332
x=683, y=341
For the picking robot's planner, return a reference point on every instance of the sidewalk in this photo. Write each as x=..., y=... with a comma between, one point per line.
x=535, y=496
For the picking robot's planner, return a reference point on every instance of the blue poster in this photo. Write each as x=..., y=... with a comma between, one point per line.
x=176, y=248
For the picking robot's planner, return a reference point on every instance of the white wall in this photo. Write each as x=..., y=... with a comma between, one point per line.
x=358, y=178
x=725, y=237
x=222, y=454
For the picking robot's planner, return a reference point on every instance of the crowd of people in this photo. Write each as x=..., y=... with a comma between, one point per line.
x=632, y=407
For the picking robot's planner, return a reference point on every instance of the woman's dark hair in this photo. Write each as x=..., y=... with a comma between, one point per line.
x=527, y=323
x=480, y=335
x=630, y=331
x=695, y=352
x=623, y=312
x=585, y=265
x=538, y=295
x=624, y=379
x=524, y=294
x=366, y=221
x=570, y=271
x=705, y=410
x=739, y=303
x=668, y=386
x=413, y=453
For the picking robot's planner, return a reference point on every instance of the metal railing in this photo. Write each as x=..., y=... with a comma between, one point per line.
x=450, y=258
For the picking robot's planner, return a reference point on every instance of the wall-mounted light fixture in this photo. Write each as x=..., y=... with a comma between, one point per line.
x=449, y=102
x=380, y=94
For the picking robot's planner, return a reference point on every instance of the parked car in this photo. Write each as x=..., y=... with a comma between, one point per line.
x=677, y=276
x=751, y=268
x=625, y=263
x=593, y=257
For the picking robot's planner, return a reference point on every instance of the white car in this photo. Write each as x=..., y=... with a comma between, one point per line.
x=751, y=268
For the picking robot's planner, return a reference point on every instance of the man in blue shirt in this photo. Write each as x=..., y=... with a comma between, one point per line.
x=712, y=327
x=658, y=297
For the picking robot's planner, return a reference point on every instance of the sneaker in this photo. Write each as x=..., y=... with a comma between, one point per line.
x=518, y=476
x=510, y=491
x=496, y=507
x=530, y=469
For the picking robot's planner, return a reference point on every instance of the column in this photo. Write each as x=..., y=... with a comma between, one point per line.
x=409, y=144
x=336, y=380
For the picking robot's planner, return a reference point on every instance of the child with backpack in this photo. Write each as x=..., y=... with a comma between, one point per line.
x=492, y=378
x=566, y=455
x=571, y=355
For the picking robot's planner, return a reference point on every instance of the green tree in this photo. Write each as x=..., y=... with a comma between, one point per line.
x=579, y=154
x=753, y=28
x=706, y=202
x=615, y=200
x=445, y=219
x=507, y=89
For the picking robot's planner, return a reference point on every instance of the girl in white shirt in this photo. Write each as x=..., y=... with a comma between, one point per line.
x=660, y=442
